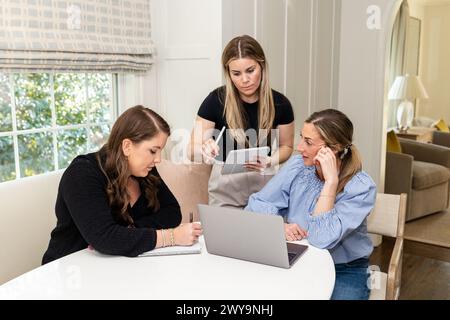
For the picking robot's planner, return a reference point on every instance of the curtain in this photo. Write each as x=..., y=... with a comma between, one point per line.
x=397, y=56
x=80, y=35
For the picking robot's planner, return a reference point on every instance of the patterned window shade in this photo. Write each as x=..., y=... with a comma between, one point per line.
x=79, y=35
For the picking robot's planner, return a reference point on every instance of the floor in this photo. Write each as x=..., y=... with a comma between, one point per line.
x=433, y=229
x=422, y=277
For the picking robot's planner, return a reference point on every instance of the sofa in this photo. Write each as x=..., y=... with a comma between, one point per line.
x=422, y=171
x=441, y=138
x=28, y=214
x=26, y=220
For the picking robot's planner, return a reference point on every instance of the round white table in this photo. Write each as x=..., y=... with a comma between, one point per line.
x=88, y=274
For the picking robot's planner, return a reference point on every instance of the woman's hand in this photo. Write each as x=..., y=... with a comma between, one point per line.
x=293, y=232
x=326, y=159
x=187, y=234
x=259, y=164
x=210, y=150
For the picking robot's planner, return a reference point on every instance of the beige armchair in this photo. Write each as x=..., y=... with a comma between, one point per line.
x=422, y=171
x=388, y=219
x=441, y=138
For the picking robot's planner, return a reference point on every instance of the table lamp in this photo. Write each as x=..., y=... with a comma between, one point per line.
x=406, y=88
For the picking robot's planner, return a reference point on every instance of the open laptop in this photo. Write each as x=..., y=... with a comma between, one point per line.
x=248, y=236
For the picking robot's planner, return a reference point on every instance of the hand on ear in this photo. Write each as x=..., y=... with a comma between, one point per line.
x=326, y=163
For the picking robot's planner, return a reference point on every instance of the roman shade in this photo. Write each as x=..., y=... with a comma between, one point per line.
x=82, y=35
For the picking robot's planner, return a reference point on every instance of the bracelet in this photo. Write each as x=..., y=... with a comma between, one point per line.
x=163, y=239
x=172, y=238
x=327, y=195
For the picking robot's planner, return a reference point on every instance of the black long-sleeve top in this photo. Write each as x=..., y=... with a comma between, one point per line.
x=84, y=216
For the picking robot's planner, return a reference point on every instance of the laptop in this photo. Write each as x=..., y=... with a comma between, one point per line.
x=248, y=236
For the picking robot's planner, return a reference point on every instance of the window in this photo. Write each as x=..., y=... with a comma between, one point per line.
x=47, y=119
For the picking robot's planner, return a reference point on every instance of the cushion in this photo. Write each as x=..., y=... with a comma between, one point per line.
x=188, y=183
x=427, y=174
x=442, y=126
x=392, y=143
x=423, y=122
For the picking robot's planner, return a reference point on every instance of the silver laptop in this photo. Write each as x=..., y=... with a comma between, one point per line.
x=248, y=236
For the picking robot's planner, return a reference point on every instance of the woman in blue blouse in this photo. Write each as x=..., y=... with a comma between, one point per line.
x=326, y=198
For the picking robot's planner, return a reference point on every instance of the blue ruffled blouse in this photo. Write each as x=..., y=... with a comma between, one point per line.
x=293, y=193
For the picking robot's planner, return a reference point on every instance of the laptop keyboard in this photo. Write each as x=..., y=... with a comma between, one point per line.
x=291, y=257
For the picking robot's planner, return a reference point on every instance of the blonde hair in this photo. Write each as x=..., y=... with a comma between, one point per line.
x=238, y=48
x=336, y=130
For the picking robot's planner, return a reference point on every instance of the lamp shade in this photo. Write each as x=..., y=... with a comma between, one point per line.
x=407, y=87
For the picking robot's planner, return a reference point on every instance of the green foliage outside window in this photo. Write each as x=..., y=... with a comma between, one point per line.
x=58, y=116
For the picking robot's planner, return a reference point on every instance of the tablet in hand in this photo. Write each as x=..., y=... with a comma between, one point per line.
x=236, y=159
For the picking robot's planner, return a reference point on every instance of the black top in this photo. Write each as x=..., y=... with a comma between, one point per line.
x=213, y=106
x=84, y=215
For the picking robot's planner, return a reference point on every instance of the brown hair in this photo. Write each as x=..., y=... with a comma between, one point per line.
x=137, y=124
x=238, y=48
x=336, y=130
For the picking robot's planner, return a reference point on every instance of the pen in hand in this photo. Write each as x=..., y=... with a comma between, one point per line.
x=220, y=135
x=191, y=217
x=211, y=149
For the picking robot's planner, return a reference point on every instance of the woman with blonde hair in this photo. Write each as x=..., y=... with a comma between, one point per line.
x=253, y=114
x=326, y=197
x=114, y=200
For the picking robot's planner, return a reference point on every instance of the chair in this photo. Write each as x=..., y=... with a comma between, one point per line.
x=188, y=183
x=422, y=171
x=441, y=138
x=388, y=219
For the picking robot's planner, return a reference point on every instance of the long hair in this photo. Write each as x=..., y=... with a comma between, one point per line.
x=336, y=130
x=238, y=48
x=137, y=124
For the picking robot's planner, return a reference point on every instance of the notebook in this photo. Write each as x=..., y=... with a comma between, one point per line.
x=195, y=248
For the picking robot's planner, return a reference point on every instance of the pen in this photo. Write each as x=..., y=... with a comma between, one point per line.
x=220, y=135
x=191, y=217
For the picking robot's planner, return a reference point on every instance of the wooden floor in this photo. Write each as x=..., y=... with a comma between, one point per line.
x=422, y=277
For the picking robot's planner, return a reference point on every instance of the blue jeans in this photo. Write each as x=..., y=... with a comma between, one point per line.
x=351, y=280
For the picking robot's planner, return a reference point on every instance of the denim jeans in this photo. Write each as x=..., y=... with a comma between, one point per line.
x=351, y=280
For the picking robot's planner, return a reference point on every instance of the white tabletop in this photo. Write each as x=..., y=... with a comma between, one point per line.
x=90, y=275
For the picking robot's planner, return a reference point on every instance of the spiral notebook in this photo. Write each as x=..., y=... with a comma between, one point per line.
x=195, y=248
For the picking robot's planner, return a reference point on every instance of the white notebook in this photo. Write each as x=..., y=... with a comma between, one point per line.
x=195, y=248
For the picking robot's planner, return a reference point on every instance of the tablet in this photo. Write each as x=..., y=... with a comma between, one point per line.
x=237, y=158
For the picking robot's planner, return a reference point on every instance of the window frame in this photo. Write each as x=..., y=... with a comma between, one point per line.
x=54, y=128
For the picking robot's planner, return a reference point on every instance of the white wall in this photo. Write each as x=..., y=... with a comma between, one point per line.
x=416, y=9
x=188, y=40
x=362, y=78
x=435, y=62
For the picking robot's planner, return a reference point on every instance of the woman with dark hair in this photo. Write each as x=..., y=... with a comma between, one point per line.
x=326, y=197
x=254, y=115
x=114, y=200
